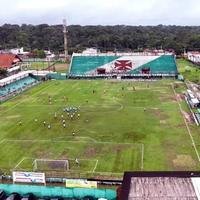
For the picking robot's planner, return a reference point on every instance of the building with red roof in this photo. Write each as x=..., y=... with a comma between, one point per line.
x=8, y=61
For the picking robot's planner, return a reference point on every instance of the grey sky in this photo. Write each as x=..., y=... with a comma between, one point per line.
x=104, y=12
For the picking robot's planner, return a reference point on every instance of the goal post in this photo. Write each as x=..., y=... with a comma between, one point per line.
x=50, y=164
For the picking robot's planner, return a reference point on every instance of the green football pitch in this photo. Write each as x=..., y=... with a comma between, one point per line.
x=119, y=126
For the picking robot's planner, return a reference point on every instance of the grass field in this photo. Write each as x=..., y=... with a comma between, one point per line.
x=38, y=65
x=122, y=126
x=190, y=71
x=59, y=66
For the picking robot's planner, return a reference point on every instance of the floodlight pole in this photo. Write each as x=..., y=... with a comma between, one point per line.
x=65, y=38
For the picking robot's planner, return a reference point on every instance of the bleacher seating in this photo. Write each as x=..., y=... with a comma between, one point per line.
x=87, y=65
x=83, y=64
x=17, y=86
x=163, y=65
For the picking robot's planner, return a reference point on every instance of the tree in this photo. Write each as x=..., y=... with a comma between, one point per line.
x=3, y=73
x=38, y=53
x=124, y=38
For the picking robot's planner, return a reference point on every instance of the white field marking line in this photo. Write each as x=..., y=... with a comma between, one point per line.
x=89, y=138
x=35, y=100
x=23, y=101
x=121, y=105
x=41, y=105
x=95, y=166
x=61, y=141
x=152, y=88
x=105, y=111
x=142, y=159
x=93, y=140
x=2, y=141
x=18, y=164
x=159, y=90
x=188, y=129
x=51, y=140
x=39, y=91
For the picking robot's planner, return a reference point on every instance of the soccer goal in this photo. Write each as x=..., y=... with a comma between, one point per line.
x=49, y=165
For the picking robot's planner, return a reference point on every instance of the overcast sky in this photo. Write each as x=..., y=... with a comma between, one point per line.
x=103, y=12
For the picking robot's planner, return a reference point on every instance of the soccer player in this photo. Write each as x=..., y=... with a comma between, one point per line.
x=77, y=161
x=44, y=123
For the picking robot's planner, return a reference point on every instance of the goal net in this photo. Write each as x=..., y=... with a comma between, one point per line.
x=49, y=165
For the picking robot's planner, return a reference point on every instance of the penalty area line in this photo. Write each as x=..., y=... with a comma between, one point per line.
x=142, y=157
x=19, y=163
x=95, y=166
x=2, y=141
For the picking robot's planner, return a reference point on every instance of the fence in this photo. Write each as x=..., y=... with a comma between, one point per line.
x=57, y=76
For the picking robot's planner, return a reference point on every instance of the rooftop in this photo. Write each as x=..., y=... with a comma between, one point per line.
x=161, y=185
x=7, y=60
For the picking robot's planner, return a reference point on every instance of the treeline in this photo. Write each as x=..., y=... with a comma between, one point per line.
x=106, y=38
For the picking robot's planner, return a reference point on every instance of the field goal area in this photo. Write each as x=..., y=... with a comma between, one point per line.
x=46, y=165
x=91, y=157
x=68, y=165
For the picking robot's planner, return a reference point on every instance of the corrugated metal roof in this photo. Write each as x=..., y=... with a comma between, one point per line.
x=8, y=60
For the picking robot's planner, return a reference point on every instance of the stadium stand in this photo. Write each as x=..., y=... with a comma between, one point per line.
x=162, y=65
x=15, y=84
x=132, y=65
x=82, y=64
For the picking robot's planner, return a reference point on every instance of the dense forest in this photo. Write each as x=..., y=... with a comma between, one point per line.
x=121, y=38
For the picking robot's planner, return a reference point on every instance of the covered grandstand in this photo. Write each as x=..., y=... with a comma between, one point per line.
x=15, y=84
x=123, y=65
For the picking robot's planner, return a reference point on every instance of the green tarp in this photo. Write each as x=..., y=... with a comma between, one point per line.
x=43, y=191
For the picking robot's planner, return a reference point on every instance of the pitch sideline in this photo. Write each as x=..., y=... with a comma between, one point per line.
x=186, y=124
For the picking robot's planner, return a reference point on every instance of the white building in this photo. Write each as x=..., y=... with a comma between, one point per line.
x=194, y=56
x=49, y=55
x=90, y=51
x=19, y=51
